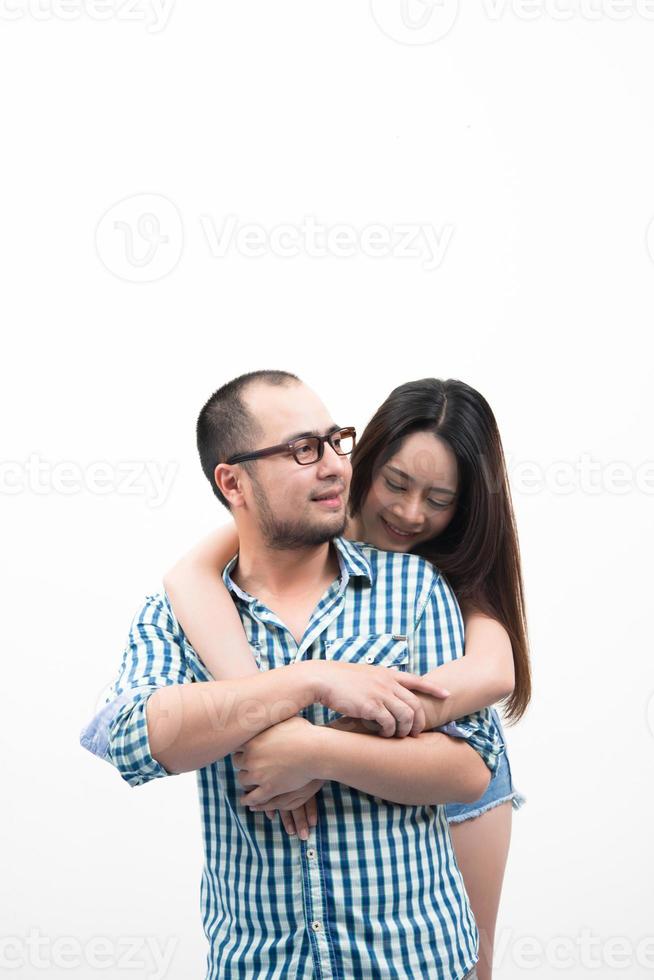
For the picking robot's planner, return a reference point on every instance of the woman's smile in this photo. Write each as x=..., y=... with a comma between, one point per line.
x=396, y=532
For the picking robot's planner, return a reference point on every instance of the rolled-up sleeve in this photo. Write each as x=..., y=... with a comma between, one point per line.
x=154, y=657
x=439, y=638
x=480, y=730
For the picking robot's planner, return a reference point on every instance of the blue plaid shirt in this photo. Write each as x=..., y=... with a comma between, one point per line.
x=376, y=891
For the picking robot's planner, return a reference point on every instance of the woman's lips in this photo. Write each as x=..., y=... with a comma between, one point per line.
x=397, y=534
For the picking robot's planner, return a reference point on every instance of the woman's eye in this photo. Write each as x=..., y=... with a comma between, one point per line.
x=393, y=486
x=437, y=506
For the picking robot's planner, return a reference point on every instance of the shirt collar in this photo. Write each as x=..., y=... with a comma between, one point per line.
x=352, y=562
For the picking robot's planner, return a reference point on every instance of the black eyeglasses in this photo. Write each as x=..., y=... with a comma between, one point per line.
x=307, y=450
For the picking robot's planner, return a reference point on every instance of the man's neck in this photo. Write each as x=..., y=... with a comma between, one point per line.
x=287, y=574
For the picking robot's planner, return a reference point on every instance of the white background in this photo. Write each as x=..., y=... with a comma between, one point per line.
x=524, y=138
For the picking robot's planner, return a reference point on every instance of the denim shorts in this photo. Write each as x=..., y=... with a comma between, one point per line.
x=500, y=789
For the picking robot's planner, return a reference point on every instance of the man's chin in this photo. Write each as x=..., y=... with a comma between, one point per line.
x=332, y=527
x=308, y=534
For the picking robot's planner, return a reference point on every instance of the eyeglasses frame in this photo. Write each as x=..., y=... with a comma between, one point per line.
x=288, y=447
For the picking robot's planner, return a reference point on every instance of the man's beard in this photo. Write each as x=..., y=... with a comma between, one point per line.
x=283, y=534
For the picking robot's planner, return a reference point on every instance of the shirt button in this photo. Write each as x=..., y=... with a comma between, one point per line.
x=370, y=659
x=310, y=852
x=315, y=926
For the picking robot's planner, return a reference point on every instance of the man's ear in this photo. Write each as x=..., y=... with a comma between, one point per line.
x=229, y=480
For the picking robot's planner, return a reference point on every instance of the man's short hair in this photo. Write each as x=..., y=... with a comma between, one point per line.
x=226, y=427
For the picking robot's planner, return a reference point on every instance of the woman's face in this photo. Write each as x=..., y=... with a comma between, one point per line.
x=412, y=497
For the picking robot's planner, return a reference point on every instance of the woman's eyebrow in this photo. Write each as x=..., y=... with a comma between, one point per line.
x=410, y=479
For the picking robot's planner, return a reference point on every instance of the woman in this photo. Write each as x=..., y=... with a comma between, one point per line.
x=429, y=477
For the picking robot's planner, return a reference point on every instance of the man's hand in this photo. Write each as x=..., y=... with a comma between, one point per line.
x=291, y=801
x=298, y=810
x=276, y=761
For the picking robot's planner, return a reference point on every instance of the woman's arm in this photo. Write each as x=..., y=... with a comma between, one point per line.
x=205, y=609
x=483, y=676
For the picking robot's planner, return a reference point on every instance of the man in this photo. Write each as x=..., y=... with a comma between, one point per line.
x=337, y=628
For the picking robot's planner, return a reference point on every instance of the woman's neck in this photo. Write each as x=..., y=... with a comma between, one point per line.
x=353, y=530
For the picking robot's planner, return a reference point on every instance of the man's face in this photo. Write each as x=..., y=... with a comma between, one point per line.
x=282, y=495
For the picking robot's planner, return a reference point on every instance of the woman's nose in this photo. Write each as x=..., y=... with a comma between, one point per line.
x=410, y=513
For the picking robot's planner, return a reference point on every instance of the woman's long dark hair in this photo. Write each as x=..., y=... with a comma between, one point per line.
x=478, y=551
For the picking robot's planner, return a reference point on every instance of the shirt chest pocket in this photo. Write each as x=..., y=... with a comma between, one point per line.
x=378, y=649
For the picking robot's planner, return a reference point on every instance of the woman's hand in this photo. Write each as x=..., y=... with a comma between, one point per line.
x=374, y=693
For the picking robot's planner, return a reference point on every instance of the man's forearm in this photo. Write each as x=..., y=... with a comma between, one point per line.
x=193, y=725
x=432, y=768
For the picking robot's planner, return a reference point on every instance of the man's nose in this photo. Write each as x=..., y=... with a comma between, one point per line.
x=334, y=464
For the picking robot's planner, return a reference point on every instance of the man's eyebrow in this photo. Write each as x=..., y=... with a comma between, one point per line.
x=410, y=479
x=304, y=435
